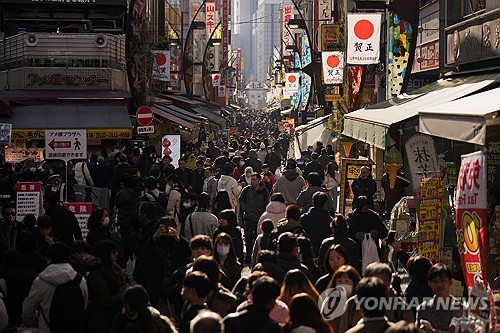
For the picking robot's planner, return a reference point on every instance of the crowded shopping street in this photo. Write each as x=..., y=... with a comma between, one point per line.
x=249, y=166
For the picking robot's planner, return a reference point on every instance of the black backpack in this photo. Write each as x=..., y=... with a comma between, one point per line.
x=67, y=309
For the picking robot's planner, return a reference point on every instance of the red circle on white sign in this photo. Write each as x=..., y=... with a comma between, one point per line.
x=333, y=61
x=292, y=78
x=363, y=29
x=161, y=59
x=144, y=115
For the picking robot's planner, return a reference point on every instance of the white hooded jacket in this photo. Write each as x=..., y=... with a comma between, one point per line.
x=230, y=184
x=275, y=211
x=42, y=291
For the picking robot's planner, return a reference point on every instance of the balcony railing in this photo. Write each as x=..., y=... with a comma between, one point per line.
x=63, y=50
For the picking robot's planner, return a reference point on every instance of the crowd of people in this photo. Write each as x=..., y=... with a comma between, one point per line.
x=239, y=237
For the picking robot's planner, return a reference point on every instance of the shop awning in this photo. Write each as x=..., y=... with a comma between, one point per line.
x=371, y=124
x=210, y=115
x=310, y=133
x=183, y=114
x=464, y=119
x=168, y=116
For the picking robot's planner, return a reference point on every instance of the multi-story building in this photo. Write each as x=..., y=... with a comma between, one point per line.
x=242, y=37
x=63, y=66
x=267, y=35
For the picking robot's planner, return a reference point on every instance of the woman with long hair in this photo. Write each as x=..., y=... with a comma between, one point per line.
x=296, y=282
x=174, y=191
x=221, y=202
x=335, y=257
x=138, y=317
x=239, y=168
x=105, y=284
x=332, y=181
x=228, y=223
x=225, y=255
x=98, y=225
x=305, y=316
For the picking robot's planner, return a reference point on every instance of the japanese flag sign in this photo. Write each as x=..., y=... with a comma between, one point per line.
x=215, y=80
x=292, y=82
x=363, y=39
x=333, y=67
x=161, y=65
x=471, y=218
x=221, y=91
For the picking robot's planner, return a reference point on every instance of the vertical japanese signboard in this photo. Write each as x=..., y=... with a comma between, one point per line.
x=171, y=145
x=82, y=212
x=330, y=37
x=333, y=67
x=287, y=36
x=161, y=65
x=363, y=39
x=421, y=156
x=471, y=217
x=325, y=10
x=28, y=199
x=429, y=222
x=66, y=144
x=225, y=31
x=209, y=18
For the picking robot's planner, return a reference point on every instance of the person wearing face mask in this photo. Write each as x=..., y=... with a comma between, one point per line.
x=239, y=169
x=98, y=224
x=225, y=255
x=245, y=179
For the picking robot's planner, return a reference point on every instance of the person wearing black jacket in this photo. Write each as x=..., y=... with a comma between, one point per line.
x=314, y=166
x=197, y=177
x=255, y=317
x=316, y=221
x=65, y=225
x=364, y=185
x=363, y=221
x=160, y=251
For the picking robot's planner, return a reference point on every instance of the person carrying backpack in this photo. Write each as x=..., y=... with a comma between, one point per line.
x=59, y=295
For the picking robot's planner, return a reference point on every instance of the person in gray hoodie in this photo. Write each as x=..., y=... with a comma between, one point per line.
x=290, y=183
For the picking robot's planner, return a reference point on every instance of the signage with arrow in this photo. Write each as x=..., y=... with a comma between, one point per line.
x=66, y=144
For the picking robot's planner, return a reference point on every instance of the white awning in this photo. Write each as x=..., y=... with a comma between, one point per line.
x=372, y=124
x=310, y=133
x=464, y=119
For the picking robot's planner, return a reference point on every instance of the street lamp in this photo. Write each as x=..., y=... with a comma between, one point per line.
x=297, y=24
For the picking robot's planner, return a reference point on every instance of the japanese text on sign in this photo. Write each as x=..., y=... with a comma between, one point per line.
x=66, y=144
x=82, y=212
x=28, y=199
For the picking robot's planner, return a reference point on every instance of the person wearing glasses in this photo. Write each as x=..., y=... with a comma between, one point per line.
x=9, y=228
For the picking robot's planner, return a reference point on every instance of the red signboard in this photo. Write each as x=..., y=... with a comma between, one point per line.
x=471, y=218
x=144, y=116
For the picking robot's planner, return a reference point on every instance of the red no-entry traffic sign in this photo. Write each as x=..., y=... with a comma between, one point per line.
x=144, y=115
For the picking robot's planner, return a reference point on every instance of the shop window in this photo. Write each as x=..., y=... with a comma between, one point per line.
x=470, y=7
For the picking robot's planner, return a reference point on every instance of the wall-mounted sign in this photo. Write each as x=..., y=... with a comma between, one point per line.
x=363, y=39
x=209, y=17
x=113, y=133
x=333, y=67
x=287, y=35
x=145, y=129
x=161, y=65
x=329, y=36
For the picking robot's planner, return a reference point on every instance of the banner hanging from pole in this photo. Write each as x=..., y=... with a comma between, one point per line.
x=363, y=39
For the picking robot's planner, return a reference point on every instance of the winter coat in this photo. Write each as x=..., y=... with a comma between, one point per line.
x=82, y=174
x=235, y=234
x=8, y=234
x=197, y=180
x=289, y=184
x=314, y=166
x=105, y=299
x=126, y=202
x=366, y=187
x=42, y=291
x=287, y=262
x=272, y=269
x=123, y=324
x=200, y=222
x=253, y=202
x=65, y=226
x=230, y=184
x=98, y=233
x=101, y=175
x=275, y=211
x=210, y=187
x=255, y=163
x=254, y=318
x=118, y=171
x=316, y=222
x=349, y=244
x=261, y=155
x=304, y=200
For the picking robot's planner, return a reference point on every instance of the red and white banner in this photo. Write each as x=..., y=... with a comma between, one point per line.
x=471, y=218
x=221, y=91
x=363, y=39
x=28, y=199
x=209, y=18
x=161, y=65
x=215, y=80
x=291, y=83
x=287, y=36
x=82, y=212
x=333, y=67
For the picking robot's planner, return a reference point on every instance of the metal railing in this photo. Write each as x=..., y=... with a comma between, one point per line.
x=63, y=50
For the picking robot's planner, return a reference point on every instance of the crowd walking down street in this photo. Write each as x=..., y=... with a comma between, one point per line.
x=238, y=238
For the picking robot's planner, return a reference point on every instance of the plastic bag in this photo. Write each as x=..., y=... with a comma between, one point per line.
x=369, y=252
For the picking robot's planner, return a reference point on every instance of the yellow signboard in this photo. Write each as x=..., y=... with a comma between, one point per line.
x=36, y=134
x=332, y=98
x=329, y=37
